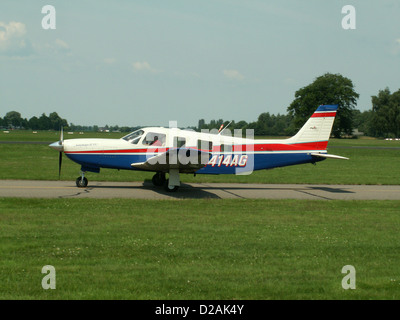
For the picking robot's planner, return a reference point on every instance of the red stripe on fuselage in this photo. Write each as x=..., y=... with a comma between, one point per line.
x=152, y=150
x=317, y=145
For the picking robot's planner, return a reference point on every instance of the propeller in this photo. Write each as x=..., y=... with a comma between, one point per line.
x=59, y=165
x=59, y=146
x=61, y=137
x=60, y=143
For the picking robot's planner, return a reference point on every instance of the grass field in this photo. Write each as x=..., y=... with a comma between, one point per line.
x=199, y=249
x=366, y=166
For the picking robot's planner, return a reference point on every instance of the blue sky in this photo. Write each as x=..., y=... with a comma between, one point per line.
x=148, y=62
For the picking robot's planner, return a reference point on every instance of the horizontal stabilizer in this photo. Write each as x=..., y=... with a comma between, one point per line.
x=330, y=156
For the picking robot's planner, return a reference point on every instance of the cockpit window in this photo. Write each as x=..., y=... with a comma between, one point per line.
x=154, y=139
x=134, y=137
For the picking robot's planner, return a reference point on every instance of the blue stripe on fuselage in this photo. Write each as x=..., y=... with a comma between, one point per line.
x=260, y=161
x=120, y=161
x=254, y=162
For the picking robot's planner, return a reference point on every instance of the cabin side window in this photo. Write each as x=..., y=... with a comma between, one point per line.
x=154, y=139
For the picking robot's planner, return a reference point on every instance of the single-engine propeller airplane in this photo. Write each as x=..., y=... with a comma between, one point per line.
x=174, y=151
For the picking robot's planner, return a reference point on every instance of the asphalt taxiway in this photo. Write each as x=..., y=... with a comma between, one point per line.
x=145, y=190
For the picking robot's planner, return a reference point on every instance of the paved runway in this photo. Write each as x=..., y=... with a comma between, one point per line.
x=145, y=190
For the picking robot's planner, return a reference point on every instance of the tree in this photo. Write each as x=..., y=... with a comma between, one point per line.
x=240, y=125
x=386, y=114
x=56, y=122
x=363, y=121
x=13, y=118
x=33, y=123
x=263, y=124
x=326, y=89
x=201, y=124
x=44, y=122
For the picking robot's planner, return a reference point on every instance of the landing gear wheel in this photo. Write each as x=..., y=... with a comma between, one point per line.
x=81, y=182
x=168, y=188
x=158, y=179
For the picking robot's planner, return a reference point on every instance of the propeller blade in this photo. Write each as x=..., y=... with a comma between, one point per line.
x=61, y=137
x=59, y=165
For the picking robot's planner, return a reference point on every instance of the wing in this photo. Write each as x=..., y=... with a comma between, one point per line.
x=187, y=160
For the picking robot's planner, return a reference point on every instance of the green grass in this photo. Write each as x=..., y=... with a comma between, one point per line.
x=198, y=249
x=366, y=166
x=52, y=136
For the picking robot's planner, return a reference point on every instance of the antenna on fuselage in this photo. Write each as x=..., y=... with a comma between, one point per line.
x=222, y=126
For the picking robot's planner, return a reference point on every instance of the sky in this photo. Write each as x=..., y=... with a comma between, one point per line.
x=141, y=63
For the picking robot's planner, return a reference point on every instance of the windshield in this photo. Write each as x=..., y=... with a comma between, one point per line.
x=134, y=137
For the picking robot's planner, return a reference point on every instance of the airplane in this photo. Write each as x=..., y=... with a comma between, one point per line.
x=176, y=151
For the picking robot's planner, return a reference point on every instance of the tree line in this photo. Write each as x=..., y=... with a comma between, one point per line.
x=14, y=120
x=382, y=120
x=266, y=125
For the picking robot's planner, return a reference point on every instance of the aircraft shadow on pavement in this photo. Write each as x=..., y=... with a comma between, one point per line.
x=332, y=190
x=309, y=191
x=185, y=191
x=207, y=191
x=199, y=191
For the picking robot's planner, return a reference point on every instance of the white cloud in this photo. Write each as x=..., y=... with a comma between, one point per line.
x=11, y=30
x=144, y=66
x=55, y=48
x=109, y=60
x=13, y=40
x=233, y=74
x=62, y=44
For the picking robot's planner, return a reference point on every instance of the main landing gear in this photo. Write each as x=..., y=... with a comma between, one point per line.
x=159, y=179
x=169, y=188
x=170, y=185
x=82, y=182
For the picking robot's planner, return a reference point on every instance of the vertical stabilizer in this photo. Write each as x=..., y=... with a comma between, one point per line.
x=318, y=128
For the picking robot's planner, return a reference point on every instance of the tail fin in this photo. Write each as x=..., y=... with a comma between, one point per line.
x=317, y=129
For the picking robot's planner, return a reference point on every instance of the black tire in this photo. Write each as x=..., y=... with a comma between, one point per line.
x=81, y=183
x=158, y=179
x=168, y=189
